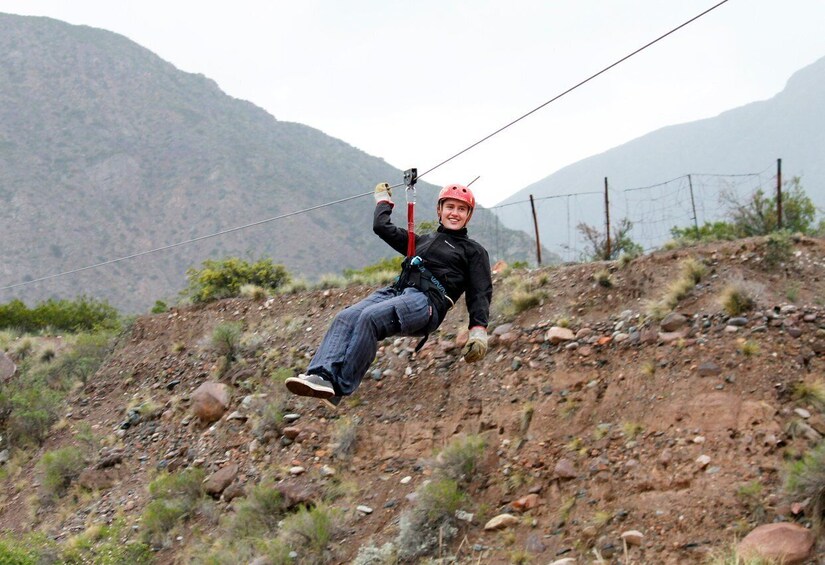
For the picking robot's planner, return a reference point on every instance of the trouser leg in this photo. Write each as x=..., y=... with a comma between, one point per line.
x=331, y=353
x=404, y=314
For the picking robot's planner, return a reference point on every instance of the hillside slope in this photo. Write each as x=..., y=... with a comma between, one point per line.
x=607, y=431
x=106, y=151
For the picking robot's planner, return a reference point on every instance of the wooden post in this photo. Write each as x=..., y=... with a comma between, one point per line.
x=536, y=226
x=693, y=205
x=779, y=194
x=607, y=250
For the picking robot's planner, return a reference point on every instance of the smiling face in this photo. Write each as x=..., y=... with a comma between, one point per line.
x=453, y=214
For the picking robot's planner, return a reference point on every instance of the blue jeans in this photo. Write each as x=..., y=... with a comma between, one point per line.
x=351, y=342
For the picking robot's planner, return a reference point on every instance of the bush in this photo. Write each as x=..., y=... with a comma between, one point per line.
x=226, y=338
x=174, y=498
x=224, y=278
x=60, y=468
x=104, y=545
x=311, y=528
x=458, y=460
x=30, y=549
x=777, y=249
x=806, y=479
x=258, y=514
x=736, y=300
x=82, y=314
x=432, y=520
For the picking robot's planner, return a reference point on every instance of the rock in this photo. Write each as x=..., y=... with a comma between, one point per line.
x=782, y=542
x=534, y=544
x=364, y=509
x=233, y=491
x=296, y=470
x=565, y=469
x=4, y=456
x=7, y=368
x=526, y=502
x=633, y=537
x=565, y=561
x=703, y=461
x=291, y=432
x=210, y=401
x=501, y=522
x=296, y=495
x=96, y=479
x=738, y=321
x=557, y=335
x=670, y=337
x=708, y=369
x=672, y=322
x=215, y=484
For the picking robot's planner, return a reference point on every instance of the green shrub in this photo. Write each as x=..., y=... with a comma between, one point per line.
x=693, y=270
x=602, y=277
x=805, y=478
x=224, y=278
x=432, y=520
x=310, y=528
x=29, y=549
x=82, y=314
x=28, y=411
x=736, y=300
x=104, y=545
x=810, y=393
x=777, y=249
x=392, y=264
x=459, y=459
x=226, y=337
x=185, y=486
x=258, y=514
x=60, y=468
x=159, y=307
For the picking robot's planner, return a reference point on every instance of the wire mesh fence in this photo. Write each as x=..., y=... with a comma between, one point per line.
x=690, y=200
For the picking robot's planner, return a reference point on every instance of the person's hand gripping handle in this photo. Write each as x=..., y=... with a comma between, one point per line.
x=383, y=193
x=476, y=347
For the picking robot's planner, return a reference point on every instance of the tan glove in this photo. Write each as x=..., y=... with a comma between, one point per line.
x=383, y=192
x=476, y=347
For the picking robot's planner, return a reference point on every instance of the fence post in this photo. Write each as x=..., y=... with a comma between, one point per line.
x=693, y=205
x=779, y=194
x=607, y=250
x=536, y=226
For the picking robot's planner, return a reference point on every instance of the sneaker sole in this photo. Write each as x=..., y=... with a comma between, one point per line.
x=302, y=387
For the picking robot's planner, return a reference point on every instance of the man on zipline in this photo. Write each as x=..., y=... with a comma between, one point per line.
x=447, y=264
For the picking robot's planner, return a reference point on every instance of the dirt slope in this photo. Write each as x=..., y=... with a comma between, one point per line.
x=607, y=429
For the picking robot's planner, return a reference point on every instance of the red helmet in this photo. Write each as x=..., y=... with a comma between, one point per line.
x=457, y=192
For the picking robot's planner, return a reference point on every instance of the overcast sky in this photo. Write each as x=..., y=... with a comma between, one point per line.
x=417, y=82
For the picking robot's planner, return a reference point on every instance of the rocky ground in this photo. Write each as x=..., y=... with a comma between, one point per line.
x=598, y=421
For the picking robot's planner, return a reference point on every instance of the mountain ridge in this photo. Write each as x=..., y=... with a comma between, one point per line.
x=742, y=140
x=107, y=151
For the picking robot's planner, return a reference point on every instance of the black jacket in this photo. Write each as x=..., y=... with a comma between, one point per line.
x=461, y=264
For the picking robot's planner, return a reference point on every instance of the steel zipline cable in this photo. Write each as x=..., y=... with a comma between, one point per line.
x=431, y=169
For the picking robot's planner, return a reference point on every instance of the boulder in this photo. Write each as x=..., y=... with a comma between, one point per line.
x=501, y=522
x=7, y=368
x=673, y=322
x=210, y=401
x=782, y=542
x=215, y=483
x=557, y=335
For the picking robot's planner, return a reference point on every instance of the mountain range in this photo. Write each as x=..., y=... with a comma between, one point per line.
x=108, y=152
x=733, y=153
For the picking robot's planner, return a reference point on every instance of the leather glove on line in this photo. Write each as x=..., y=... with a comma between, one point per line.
x=476, y=347
x=383, y=193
